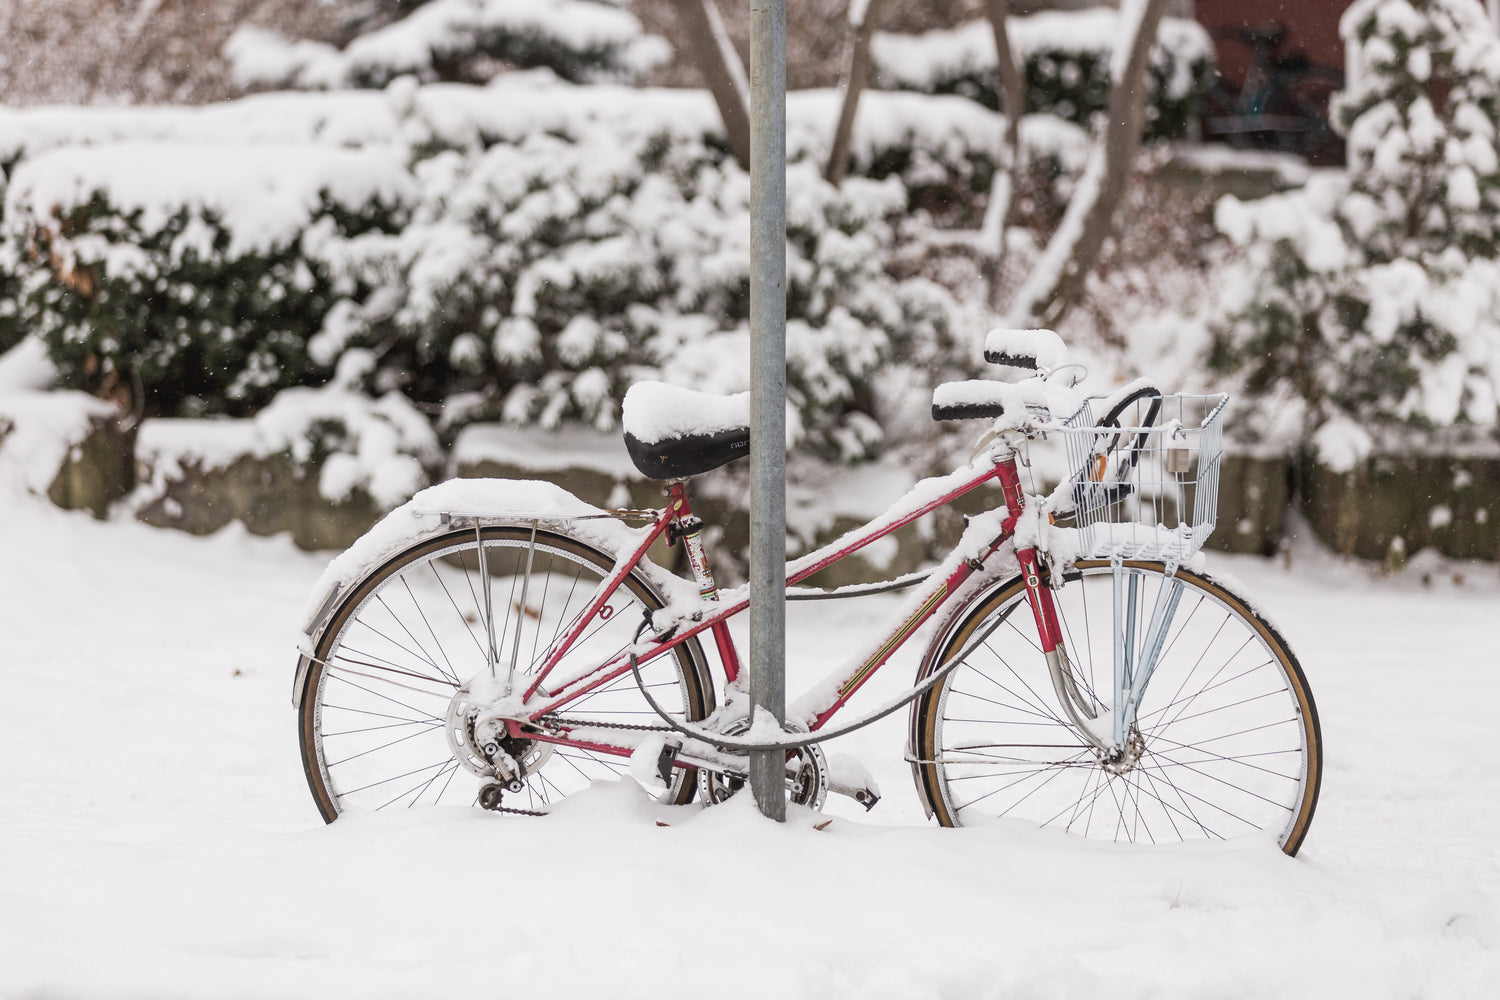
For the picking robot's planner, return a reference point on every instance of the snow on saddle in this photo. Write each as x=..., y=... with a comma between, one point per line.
x=673, y=433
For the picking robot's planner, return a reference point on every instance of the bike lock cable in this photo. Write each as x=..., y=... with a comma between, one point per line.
x=723, y=742
x=859, y=589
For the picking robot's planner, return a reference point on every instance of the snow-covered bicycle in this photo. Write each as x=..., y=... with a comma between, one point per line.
x=504, y=643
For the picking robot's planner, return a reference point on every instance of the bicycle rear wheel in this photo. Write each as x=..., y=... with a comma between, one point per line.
x=380, y=714
x=1226, y=742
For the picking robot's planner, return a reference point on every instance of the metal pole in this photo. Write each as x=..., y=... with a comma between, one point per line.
x=768, y=391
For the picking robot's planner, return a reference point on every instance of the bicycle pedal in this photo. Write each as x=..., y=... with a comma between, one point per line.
x=666, y=759
x=848, y=777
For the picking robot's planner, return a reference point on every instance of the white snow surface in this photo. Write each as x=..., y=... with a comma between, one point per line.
x=168, y=846
x=414, y=43
x=265, y=194
x=920, y=61
x=538, y=450
x=194, y=865
x=508, y=110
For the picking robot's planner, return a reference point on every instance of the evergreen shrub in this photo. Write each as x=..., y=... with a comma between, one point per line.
x=1371, y=298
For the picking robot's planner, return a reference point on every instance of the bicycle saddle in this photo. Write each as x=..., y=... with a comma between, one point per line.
x=674, y=433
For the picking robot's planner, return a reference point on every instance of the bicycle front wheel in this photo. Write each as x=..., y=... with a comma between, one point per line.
x=382, y=709
x=1226, y=740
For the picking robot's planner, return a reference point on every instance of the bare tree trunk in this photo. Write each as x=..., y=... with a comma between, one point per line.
x=1056, y=283
x=1008, y=163
x=863, y=16
x=723, y=72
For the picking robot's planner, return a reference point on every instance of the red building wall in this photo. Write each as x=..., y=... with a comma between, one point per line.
x=1312, y=30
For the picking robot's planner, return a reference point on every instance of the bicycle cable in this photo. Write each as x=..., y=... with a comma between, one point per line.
x=723, y=742
x=859, y=589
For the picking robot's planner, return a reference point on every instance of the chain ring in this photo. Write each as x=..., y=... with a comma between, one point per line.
x=807, y=785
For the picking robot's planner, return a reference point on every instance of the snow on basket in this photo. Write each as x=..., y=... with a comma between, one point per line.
x=1146, y=474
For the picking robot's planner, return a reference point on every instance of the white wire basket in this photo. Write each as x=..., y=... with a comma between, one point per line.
x=1146, y=486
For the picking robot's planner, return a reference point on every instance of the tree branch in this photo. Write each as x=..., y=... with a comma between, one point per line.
x=1056, y=283
x=1008, y=163
x=863, y=15
x=723, y=71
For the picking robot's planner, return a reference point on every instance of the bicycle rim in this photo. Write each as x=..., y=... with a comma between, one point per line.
x=377, y=709
x=1227, y=742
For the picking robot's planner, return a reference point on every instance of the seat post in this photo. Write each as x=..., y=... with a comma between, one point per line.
x=689, y=527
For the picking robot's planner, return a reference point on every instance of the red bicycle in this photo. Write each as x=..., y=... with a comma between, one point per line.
x=505, y=644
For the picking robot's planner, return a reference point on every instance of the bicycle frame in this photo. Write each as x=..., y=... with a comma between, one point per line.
x=541, y=700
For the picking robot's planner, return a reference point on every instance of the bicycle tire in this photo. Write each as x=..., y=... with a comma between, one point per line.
x=1236, y=749
x=388, y=663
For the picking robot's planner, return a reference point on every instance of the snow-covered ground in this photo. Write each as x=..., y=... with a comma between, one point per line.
x=157, y=839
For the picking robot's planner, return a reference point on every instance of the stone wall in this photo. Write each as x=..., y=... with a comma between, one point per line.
x=1392, y=505
x=1389, y=506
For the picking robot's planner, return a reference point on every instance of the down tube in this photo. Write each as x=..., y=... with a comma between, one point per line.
x=905, y=630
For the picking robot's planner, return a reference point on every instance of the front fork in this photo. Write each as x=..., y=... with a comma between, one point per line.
x=1076, y=705
x=1133, y=661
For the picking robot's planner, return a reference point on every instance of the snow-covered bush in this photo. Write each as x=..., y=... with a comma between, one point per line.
x=379, y=448
x=12, y=329
x=464, y=40
x=540, y=278
x=1373, y=297
x=318, y=462
x=524, y=253
x=1066, y=65
x=197, y=273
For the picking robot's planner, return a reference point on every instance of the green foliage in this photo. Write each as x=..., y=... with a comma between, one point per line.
x=166, y=307
x=542, y=278
x=528, y=278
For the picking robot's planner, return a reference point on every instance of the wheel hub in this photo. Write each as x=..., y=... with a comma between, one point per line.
x=1119, y=762
x=484, y=752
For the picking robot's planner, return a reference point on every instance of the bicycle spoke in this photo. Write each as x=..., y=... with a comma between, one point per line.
x=420, y=651
x=339, y=676
x=383, y=746
x=463, y=618
x=371, y=729
x=1225, y=753
x=397, y=777
x=373, y=662
x=390, y=658
x=449, y=673
x=418, y=797
x=430, y=720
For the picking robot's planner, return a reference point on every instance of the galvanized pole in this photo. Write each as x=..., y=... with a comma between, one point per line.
x=768, y=391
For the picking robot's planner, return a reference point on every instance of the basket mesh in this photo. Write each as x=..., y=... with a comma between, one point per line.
x=1146, y=492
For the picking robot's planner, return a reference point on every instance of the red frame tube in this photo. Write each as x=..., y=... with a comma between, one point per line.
x=1039, y=597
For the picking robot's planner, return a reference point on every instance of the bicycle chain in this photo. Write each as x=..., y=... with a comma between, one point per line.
x=557, y=722
x=516, y=812
x=554, y=721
